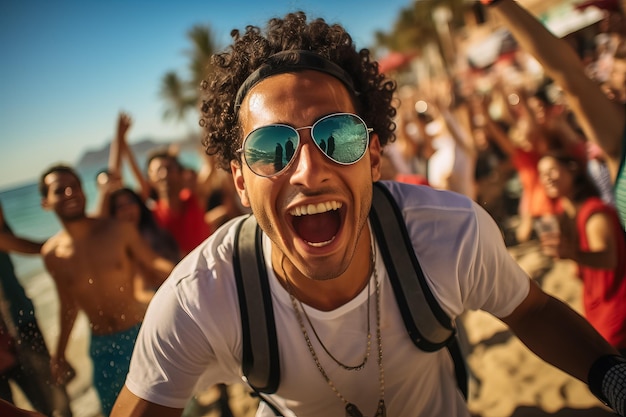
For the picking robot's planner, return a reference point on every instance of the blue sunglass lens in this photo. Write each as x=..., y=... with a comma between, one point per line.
x=269, y=149
x=342, y=137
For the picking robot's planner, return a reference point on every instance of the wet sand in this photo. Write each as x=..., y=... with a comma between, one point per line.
x=510, y=380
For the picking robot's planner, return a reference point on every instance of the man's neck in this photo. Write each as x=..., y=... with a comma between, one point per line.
x=79, y=227
x=327, y=295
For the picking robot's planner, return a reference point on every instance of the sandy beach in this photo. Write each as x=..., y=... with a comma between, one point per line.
x=510, y=381
x=84, y=398
x=513, y=381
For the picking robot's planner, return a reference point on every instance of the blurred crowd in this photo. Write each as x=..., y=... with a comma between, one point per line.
x=481, y=130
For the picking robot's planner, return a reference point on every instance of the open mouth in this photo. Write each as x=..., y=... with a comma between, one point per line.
x=317, y=224
x=71, y=204
x=549, y=186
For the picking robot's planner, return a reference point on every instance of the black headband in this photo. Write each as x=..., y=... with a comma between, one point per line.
x=292, y=61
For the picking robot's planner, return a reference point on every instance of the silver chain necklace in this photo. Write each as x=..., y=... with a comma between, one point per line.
x=351, y=409
x=337, y=361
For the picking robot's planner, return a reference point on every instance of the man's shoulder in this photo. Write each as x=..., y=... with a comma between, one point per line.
x=429, y=213
x=216, y=251
x=54, y=241
x=62, y=243
x=206, y=276
x=57, y=248
x=413, y=196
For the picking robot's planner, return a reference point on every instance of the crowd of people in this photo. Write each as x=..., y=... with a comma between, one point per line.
x=107, y=264
x=297, y=134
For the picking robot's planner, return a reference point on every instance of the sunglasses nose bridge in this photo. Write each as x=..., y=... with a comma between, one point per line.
x=300, y=131
x=308, y=150
x=308, y=166
x=308, y=137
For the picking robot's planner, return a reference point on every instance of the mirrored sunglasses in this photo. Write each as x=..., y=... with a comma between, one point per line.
x=342, y=137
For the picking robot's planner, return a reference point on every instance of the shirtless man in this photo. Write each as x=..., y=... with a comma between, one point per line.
x=92, y=263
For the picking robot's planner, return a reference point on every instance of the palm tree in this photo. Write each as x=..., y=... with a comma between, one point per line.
x=204, y=45
x=182, y=95
x=177, y=96
x=416, y=31
x=415, y=27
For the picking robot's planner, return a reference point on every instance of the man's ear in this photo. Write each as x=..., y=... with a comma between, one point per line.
x=375, y=157
x=240, y=184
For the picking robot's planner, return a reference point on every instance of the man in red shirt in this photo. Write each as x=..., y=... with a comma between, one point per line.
x=177, y=209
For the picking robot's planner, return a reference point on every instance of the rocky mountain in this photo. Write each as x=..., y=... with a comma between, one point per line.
x=100, y=157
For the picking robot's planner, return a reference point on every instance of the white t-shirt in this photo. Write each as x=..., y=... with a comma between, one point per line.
x=191, y=335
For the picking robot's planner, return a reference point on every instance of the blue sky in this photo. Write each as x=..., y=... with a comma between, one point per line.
x=69, y=67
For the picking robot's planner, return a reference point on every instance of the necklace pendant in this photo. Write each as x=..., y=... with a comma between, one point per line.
x=381, y=411
x=352, y=411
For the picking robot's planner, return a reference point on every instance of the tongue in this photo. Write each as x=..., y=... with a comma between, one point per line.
x=317, y=228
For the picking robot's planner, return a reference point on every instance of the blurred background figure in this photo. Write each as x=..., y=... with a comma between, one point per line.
x=452, y=165
x=406, y=158
x=126, y=205
x=9, y=410
x=588, y=233
x=24, y=355
x=111, y=178
x=93, y=262
x=601, y=119
x=179, y=208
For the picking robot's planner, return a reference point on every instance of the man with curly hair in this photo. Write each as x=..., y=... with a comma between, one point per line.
x=301, y=118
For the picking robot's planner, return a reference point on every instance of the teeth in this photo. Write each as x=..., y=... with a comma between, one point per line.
x=315, y=209
x=320, y=244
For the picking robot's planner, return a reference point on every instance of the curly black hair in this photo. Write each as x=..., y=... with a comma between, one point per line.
x=249, y=51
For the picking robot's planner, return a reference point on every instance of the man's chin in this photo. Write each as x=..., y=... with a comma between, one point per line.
x=70, y=218
x=321, y=271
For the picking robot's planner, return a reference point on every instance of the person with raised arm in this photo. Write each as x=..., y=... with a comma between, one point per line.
x=602, y=120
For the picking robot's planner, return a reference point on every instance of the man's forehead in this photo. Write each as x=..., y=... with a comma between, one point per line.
x=322, y=93
x=60, y=177
x=293, y=61
x=163, y=160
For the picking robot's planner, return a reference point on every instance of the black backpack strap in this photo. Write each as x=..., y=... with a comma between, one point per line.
x=427, y=323
x=460, y=370
x=260, y=361
x=268, y=401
